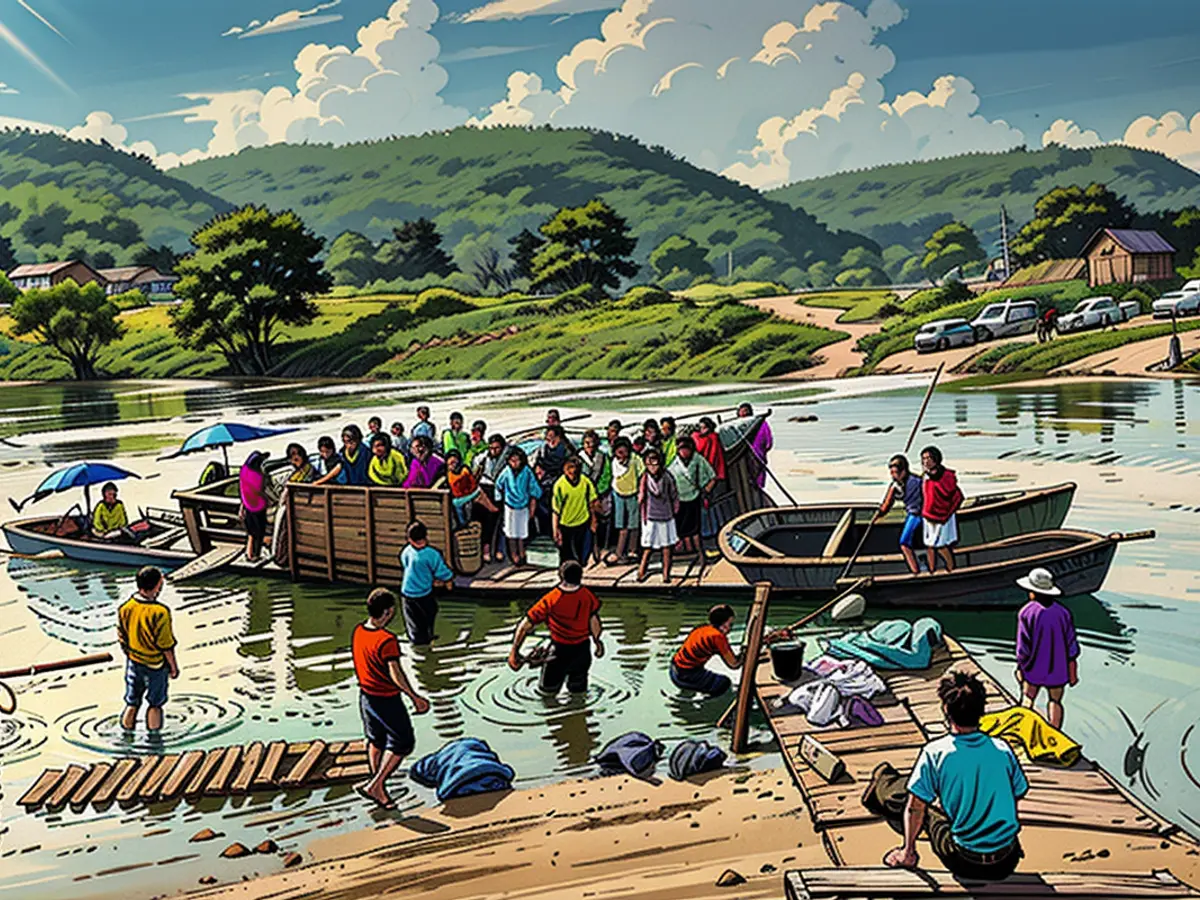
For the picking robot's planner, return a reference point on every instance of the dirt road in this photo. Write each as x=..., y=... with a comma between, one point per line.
x=1132, y=359
x=833, y=360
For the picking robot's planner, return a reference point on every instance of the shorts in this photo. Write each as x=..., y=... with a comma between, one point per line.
x=702, y=681
x=569, y=663
x=516, y=522
x=143, y=681
x=942, y=534
x=911, y=524
x=687, y=520
x=420, y=616
x=659, y=535
x=625, y=512
x=386, y=724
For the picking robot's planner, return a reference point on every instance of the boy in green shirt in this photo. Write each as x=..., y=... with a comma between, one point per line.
x=145, y=632
x=573, y=511
x=109, y=519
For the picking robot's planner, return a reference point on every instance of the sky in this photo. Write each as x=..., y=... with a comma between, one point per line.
x=764, y=91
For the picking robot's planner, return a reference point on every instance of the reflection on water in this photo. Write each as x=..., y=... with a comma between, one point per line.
x=189, y=720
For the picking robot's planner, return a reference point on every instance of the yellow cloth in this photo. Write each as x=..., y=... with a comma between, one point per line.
x=1025, y=728
x=626, y=482
x=144, y=627
x=573, y=502
x=389, y=471
x=105, y=520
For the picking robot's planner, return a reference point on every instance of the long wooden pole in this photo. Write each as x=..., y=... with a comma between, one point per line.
x=73, y=663
x=753, y=646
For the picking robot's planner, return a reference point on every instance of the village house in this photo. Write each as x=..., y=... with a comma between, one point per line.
x=146, y=279
x=1121, y=255
x=44, y=275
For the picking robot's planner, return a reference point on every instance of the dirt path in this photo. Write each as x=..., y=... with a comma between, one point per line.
x=834, y=359
x=1132, y=359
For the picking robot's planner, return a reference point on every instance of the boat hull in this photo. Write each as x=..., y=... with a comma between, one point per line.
x=23, y=539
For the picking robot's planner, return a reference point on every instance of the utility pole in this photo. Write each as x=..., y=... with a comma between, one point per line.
x=729, y=268
x=1004, y=242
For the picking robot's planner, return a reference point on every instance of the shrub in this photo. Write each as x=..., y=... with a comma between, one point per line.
x=134, y=299
x=1145, y=301
x=575, y=299
x=935, y=298
x=436, y=303
x=647, y=295
x=700, y=340
x=863, y=276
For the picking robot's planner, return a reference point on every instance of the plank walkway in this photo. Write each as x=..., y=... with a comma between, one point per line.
x=219, y=772
x=1083, y=796
x=716, y=575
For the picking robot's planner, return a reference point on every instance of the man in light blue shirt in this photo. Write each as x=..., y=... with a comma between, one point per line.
x=976, y=779
x=424, y=427
x=424, y=569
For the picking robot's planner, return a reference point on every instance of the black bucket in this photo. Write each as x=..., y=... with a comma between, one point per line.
x=787, y=659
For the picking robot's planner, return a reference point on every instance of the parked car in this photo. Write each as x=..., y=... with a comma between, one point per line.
x=1183, y=302
x=944, y=334
x=1097, y=312
x=1005, y=319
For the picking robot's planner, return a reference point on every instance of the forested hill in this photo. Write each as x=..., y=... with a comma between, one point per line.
x=483, y=186
x=61, y=198
x=904, y=203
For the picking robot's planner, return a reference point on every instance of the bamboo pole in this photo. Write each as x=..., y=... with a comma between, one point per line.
x=750, y=652
x=72, y=663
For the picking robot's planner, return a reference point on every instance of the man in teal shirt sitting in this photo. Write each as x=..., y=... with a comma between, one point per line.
x=424, y=569
x=978, y=782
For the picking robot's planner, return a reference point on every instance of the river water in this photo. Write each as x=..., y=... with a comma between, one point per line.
x=266, y=659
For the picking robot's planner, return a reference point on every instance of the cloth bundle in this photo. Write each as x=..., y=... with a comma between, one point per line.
x=461, y=768
x=692, y=757
x=839, y=693
x=892, y=644
x=1025, y=728
x=632, y=753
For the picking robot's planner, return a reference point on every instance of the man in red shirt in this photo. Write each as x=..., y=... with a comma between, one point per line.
x=688, y=670
x=942, y=498
x=382, y=687
x=572, y=613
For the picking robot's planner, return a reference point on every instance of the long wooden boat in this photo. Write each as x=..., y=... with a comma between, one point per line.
x=160, y=546
x=984, y=574
x=830, y=532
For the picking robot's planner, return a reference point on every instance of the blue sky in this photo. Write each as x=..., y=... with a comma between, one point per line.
x=1101, y=64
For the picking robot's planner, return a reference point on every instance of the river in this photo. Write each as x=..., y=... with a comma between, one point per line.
x=266, y=659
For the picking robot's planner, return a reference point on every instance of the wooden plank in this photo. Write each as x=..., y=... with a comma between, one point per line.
x=370, y=535
x=180, y=773
x=66, y=786
x=304, y=765
x=266, y=776
x=755, y=627
x=347, y=773
x=212, y=759
x=158, y=777
x=329, y=535
x=136, y=778
x=89, y=785
x=220, y=778
x=881, y=883
x=121, y=770
x=290, y=497
x=251, y=758
x=41, y=789
x=218, y=557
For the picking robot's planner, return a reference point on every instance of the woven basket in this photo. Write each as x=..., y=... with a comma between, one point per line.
x=468, y=549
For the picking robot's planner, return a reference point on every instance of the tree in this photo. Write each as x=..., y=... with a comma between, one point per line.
x=489, y=269
x=162, y=259
x=584, y=245
x=1065, y=218
x=950, y=247
x=416, y=252
x=252, y=271
x=101, y=259
x=679, y=254
x=75, y=322
x=8, y=258
x=351, y=260
x=525, y=247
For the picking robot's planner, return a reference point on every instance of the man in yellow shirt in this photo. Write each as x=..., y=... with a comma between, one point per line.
x=573, y=511
x=627, y=471
x=387, y=466
x=109, y=520
x=146, y=636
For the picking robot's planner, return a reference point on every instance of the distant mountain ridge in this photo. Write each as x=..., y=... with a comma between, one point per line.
x=904, y=203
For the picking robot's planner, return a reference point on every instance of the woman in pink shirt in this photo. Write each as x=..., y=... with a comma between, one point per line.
x=252, y=485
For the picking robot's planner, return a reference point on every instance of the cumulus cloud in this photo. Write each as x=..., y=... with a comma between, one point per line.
x=521, y=9
x=1067, y=133
x=291, y=20
x=99, y=126
x=1171, y=134
x=7, y=89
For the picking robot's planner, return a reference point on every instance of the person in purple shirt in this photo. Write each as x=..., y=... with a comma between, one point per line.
x=761, y=444
x=1047, y=648
x=426, y=467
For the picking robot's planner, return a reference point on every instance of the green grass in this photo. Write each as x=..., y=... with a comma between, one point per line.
x=742, y=290
x=1039, y=358
x=859, y=305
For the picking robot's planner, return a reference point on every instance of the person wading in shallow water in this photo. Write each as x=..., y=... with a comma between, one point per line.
x=382, y=687
x=145, y=634
x=572, y=613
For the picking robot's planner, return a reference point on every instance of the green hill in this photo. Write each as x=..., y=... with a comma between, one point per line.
x=483, y=186
x=62, y=198
x=904, y=203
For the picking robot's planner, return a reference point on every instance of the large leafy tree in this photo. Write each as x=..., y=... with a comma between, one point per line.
x=416, y=252
x=75, y=322
x=161, y=258
x=679, y=254
x=587, y=244
x=1065, y=218
x=524, y=248
x=252, y=271
x=351, y=260
x=951, y=246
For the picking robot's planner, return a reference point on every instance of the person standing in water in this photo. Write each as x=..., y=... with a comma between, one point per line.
x=572, y=613
x=147, y=638
x=941, y=500
x=382, y=687
x=1047, y=646
x=907, y=488
x=424, y=569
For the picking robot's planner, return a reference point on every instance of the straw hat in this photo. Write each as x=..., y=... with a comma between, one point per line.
x=1040, y=581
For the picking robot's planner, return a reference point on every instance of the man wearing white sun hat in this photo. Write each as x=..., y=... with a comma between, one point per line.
x=1047, y=647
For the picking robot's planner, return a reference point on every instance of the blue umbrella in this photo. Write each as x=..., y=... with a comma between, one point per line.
x=80, y=475
x=224, y=435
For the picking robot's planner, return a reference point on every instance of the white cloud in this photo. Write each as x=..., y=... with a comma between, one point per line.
x=1171, y=134
x=291, y=20
x=7, y=89
x=1067, y=133
x=99, y=126
x=521, y=9
x=526, y=103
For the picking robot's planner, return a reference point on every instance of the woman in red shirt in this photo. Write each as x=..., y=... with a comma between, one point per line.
x=942, y=498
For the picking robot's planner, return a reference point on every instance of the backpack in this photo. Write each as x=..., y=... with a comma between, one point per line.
x=693, y=757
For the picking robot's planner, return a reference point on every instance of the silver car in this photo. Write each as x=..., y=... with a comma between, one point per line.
x=1006, y=318
x=944, y=334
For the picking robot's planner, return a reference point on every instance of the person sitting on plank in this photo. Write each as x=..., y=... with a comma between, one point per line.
x=976, y=779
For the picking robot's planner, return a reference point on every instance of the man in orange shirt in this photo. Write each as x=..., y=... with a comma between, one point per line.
x=572, y=613
x=382, y=687
x=688, y=670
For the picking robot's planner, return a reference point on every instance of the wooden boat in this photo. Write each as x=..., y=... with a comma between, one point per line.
x=160, y=546
x=984, y=575
x=830, y=532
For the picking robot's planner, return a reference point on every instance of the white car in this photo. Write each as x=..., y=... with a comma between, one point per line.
x=944, y=334
x=1183, y=302
x=1005, y=319
x=1097, y=312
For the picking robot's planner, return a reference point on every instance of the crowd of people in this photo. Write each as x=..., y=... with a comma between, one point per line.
x=601, y=501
